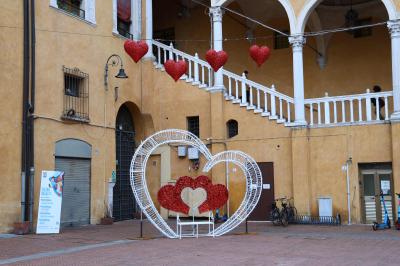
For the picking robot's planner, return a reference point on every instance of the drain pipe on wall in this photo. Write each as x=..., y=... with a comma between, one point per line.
x=345, y=168
x=31, y=116
x=28, y=100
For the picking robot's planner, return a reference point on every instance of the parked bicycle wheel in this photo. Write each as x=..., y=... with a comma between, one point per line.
x=284, y=218
x=275, y=217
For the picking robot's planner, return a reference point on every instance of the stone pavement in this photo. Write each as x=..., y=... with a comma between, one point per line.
x=265, y=244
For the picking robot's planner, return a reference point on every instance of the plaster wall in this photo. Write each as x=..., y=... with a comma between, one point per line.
x=11, y=63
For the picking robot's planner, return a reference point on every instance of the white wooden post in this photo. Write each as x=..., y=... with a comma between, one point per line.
x=196, y=69
x=297, y=43
x=244, y=94
x=170, y=53
x=327, y=111
x=216, y=13
x=394, y=29
x=149, y=29
x=273, y=106
x=368, y=106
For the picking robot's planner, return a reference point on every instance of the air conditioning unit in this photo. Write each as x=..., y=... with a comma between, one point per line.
x=181, y=151
x=193, y=153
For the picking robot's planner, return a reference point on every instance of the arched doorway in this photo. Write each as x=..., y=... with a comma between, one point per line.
x=124, y=205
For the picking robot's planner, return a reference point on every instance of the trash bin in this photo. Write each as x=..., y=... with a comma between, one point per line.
x=325, y=206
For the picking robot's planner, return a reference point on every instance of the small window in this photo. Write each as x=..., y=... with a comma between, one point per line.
x=124, y=18
x=281, y=41
x=232, y=128
x=73, y=7
x=363, y=32
x=76, y=95
x=193, y=125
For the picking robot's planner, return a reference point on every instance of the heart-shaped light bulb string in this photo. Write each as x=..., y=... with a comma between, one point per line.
x=136, y=50
x=176, y=69
x=142, y=154
x=259, y=54
x=216, y=59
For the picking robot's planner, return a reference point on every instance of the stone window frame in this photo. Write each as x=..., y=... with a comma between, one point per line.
x=89, y=6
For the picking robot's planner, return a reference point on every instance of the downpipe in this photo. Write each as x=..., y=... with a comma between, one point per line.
x=345, y=168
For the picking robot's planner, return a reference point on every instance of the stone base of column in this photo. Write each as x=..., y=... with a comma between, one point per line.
x=300, y=123
x=216, y=89
x=395, y=117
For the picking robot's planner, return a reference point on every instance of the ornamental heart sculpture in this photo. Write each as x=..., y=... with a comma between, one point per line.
x=136, y=50
x=259, y=54
x=181, y=137
x=170, y=196
x=216, y=59
x=176, y=68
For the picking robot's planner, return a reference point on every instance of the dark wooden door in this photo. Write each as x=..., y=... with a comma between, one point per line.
x=263, y=208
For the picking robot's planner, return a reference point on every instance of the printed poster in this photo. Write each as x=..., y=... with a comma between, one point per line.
x=49, y=214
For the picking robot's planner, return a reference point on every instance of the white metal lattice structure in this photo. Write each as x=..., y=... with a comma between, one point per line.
x=176, y=136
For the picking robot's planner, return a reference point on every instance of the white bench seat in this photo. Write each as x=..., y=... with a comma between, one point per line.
x=195, y=226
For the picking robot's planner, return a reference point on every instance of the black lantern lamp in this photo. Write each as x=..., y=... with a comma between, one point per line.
x=121, y=73
x=351, y=17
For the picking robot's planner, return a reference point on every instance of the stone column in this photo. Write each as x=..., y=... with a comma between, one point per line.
x=149, y=28
x=297, y=43
x=216, y=14
x=394, y=29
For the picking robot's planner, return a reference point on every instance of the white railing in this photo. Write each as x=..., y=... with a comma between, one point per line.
x=257, y=97
x=349, y=109
x=199, y=71
x=247, y=93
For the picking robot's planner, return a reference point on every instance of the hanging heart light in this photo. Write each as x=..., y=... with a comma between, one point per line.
x=176, y=69
x=216, y=59
x=136, y=50
x=259, y=54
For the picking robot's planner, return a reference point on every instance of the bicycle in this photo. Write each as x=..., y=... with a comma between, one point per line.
x=279, y=217
x=291, y=210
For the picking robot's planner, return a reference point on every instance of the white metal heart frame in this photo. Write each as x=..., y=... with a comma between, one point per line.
x=176, y=136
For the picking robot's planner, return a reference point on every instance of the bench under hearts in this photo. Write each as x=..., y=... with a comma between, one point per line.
x=195, y=225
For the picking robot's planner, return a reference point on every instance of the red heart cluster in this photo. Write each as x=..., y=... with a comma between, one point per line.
x=259, y=54
x=169, y=196
x=176, y=68
x=136, y=50
x=216, y=59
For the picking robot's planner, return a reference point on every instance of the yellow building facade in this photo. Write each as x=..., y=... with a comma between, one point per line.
x=310, y=111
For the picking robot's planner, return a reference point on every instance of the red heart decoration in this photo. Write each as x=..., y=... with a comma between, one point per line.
x=259, y=54
x=136, y=50
x=216, y=59
x=176, y=68
x=169, y=196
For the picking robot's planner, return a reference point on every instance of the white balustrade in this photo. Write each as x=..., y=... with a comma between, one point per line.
x=367, y=103
x=323, y=111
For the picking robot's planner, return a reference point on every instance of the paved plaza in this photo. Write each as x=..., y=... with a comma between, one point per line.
x=265, y=244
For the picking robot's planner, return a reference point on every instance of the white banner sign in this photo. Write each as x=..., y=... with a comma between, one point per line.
x=51, y=188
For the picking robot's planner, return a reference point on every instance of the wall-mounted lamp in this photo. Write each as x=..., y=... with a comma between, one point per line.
x=121, y=73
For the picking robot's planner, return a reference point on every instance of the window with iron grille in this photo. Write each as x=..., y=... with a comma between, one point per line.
x=281, y=41
x=232, y=128
x=76, y=95
x=193, y=125
x=72, y=6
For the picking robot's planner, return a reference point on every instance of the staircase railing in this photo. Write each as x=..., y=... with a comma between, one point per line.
x=349, y=109
x=239, y=89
